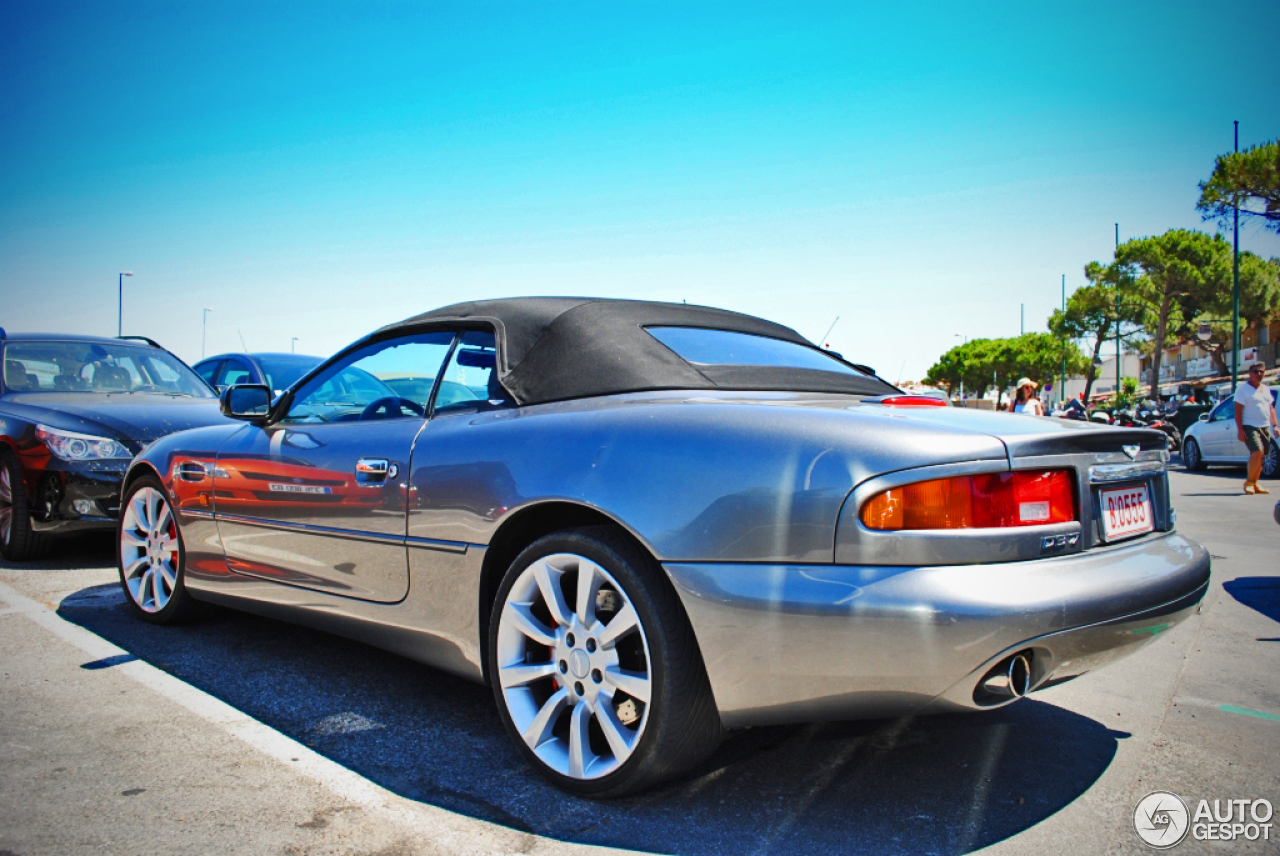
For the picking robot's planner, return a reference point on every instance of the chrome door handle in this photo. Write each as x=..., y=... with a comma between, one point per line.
x=371, y=470
x=192, y=471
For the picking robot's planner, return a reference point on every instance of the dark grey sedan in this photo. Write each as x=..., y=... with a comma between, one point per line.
x=642, y=523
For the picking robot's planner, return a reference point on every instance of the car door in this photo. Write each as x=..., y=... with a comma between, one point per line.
x=317, y=498
x=1219, y=433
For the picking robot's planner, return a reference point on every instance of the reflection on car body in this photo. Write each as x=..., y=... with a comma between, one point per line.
x=643, y=522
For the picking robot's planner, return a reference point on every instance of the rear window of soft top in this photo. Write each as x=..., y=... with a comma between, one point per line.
x=704, y=346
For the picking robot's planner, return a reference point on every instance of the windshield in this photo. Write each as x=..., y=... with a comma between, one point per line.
x=97, y=367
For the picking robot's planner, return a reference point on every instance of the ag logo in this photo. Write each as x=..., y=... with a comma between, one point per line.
x=1161, y=819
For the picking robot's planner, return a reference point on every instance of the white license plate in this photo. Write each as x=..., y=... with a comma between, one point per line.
x=299, y=488
x=1126, y=511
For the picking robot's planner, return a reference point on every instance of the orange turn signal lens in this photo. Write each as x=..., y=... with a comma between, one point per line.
x=989, y=500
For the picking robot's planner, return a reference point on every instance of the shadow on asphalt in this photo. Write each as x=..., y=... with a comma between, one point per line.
x=943, y=784
x=1260, y=593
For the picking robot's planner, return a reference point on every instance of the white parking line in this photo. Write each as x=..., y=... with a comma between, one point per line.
x=453, y=833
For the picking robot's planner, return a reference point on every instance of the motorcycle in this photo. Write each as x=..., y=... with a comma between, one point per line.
x=1145, y=417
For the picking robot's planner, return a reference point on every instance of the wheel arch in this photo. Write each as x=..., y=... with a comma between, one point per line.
x=519, y=531
x=136, y=471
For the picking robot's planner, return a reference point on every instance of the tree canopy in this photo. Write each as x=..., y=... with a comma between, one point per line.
x=981, y=363
x=1164, y=287
x=1254, y=176
x=1172, y=279
x=1092, y=313
x=1259, y=303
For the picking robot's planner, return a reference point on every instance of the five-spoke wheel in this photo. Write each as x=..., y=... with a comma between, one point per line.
x=594, y=666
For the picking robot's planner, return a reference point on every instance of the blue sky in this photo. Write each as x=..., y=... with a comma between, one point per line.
x=317, y=170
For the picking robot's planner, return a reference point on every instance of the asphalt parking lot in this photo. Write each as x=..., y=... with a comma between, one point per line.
x=242, y=735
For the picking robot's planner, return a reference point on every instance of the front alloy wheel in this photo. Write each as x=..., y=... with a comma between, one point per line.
x=594, y=666
x=1271, y=462
x=1191, y=455
x=151, y=554
x=18, y=542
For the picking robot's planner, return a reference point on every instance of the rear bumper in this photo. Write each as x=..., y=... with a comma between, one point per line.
x=795, y=643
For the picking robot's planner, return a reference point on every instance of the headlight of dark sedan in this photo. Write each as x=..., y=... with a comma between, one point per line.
x=70, y=446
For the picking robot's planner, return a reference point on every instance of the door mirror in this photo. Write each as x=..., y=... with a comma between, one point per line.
x=1204, y=417
x=251, y=401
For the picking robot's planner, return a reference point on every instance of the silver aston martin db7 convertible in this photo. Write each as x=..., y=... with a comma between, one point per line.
x=642, y=523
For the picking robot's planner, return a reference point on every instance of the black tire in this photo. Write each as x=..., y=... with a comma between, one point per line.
x=1191, y=457
x=1271, y=462
x=675, y=730
x=138, y=572
x=18, y=541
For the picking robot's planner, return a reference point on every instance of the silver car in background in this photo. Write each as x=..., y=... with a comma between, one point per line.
x=1213, y=440
x=643, y=523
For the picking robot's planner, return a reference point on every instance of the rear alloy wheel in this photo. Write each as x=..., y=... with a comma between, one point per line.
x=594, y=666
x=18, y=542
x=152, y=555
x=1191, y=457
x=1271, y=462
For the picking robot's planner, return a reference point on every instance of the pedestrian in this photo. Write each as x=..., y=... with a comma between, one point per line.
x=1255, y=422
x=1027, y=402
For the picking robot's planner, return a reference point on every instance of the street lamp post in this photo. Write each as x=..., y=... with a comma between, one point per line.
x=1235, y=286
x=1062, y=388
x=120, y=302
x=966, y=341
x=292, y=342
x=204, y=326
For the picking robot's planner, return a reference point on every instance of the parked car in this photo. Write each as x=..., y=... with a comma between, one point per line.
x=1215, y=440
x=277, y=371
x=73, y=411
x=939, y=394
x=642, y=523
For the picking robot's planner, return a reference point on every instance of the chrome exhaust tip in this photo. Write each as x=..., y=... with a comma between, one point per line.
x=1010, y=678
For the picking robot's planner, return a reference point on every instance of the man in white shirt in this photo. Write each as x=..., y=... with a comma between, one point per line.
x=1255, y=420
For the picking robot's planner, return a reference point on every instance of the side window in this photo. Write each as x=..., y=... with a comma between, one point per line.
x=391, y=379
x=470, y=380
x=208, y=370
x=1226, y=409
x=233, y=372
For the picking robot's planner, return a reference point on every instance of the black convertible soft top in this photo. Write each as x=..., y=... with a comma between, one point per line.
x=557, y=348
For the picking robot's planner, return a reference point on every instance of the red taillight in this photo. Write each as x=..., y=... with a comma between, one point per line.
x=913, y=401
x=1027, y=498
